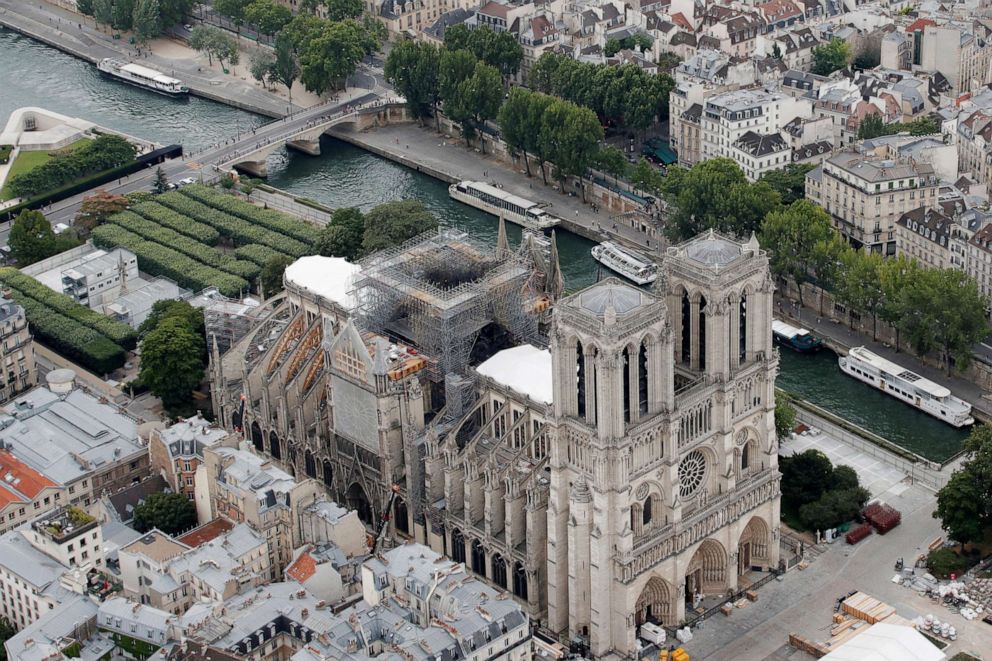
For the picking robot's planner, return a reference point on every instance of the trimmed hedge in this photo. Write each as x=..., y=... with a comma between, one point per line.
x=267, y=218
x=260, y=255
x=168, y=218
x=201, y=252
x=157, y=259
x=115, y=331
x=238, y=231
x=70, y=338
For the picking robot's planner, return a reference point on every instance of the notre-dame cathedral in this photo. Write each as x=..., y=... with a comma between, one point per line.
x=607, y=457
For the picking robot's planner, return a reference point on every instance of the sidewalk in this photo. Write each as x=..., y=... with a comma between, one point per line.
x=71, y=33
x=842, y=336
x=426, y=151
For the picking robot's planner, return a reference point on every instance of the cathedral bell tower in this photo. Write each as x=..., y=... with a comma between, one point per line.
x=612, y=357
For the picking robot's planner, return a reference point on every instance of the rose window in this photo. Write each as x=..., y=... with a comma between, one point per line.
x=692, y=472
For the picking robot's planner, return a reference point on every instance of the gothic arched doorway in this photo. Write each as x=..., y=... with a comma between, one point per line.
x=358, y=501
x=752, y=549
x=707, y=573
x=655, y=603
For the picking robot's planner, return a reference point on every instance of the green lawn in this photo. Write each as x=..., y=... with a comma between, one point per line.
x=29, y=160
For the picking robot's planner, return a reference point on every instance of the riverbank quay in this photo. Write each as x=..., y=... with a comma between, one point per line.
x=447, y=159
x=69, y=33
x=841, y=339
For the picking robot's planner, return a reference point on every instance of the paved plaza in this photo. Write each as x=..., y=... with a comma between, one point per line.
x=877, y=476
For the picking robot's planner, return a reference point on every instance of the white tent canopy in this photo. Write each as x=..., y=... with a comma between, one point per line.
x=887, y=642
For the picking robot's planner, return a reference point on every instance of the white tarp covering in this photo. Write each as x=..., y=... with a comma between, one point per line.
x=330, y=277
x=525, y=369
x=887, y=642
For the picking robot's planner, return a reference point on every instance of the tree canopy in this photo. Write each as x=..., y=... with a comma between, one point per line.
x=32, y=239
x=412, y=67
x=272, y=274
x=831, y=56
x=715, y=194
x=818, y=493
x=497, y=49
x=268, y=16
x=789, y=182
x=172, y=363
x=800, y=242
x=393, y=223
x=342, y=236
x=172, y=513
x=964, y=504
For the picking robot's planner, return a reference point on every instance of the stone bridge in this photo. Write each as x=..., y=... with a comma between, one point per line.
x=303, y=134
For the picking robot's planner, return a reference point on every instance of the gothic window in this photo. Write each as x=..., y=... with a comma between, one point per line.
x=626, y=384
x=328, y=473
x=580, y=380
x=743, y=328
x=647, y=513
x=257, y=437
x=309, y=464
x=274, y=448
x=499, y=571
x=520, y=580
x=478, y=558
x=745, y=457
x=686, y=326
x=702, y=333
x=642, y=379
x=401, y=516
x=457, y=546
x=692, y=472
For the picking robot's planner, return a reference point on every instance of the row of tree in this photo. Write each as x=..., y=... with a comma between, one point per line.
x=148, y=18
x=873, y=126
x=624, y=96
x=934, y=309
x=104, y=153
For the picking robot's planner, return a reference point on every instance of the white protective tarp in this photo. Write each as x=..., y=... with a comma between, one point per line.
x=887, y=642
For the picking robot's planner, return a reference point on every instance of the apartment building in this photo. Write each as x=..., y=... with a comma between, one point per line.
x=169, y=574
x=24, y=492
x=728, y=117
x=177, y=451
x=962, y=56
x=244, y=487
x=939, y=238
x=979, y=262
x=866, y=195
x=16, y=351
x=76, y=439
x=759, y=154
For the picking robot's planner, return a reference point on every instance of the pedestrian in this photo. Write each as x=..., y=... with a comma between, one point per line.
x=576, y=213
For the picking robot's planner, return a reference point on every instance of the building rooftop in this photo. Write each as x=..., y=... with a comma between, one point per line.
x=66, y=437
x=205, y=533
x=136, y=620
x=247, y=472
x=9, y=308
x=875, y=170
x=524, y=369
x=188, y=438
x=331, y=278
x=713, y=250
x=125, y=500
x=157, y=546
x=37, y=569
x=19, y=483
x=42, y=639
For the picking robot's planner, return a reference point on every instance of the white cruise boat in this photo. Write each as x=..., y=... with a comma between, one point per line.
x=626, y=262
x=906, y=386
x=500, y=203
x=142, y=76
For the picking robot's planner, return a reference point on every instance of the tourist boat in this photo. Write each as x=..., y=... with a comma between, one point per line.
x=626, y=262
x=142, y=76
x=906, y=386
x=500, y=203
x=795, y=338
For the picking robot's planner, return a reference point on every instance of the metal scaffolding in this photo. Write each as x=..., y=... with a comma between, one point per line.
x=441, y=289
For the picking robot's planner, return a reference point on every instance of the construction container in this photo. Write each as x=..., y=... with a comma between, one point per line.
x=858, y=533
x=882, y=517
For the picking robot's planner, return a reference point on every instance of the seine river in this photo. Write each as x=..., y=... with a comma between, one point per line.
x=32, y=74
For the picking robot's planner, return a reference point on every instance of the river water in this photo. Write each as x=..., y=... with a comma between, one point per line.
x=32, y=74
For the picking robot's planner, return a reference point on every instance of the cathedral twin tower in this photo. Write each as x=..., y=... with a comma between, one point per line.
x=664, y=482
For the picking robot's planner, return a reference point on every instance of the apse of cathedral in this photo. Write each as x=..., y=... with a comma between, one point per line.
x=607, y=457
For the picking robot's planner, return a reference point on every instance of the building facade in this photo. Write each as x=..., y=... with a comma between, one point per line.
x=16, y=351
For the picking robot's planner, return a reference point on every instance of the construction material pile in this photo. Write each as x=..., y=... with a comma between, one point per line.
x=882, y=517
x=858, y=533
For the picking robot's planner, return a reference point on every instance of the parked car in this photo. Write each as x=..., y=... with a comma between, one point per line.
x=58, y=228
x=187, y=181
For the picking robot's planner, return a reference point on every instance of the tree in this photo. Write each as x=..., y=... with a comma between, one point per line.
x=342, y=237
x=7, y=631
x=270, y=278
x=833, y=508
x=613, y=161
x=172, y=308
x=412, y=68
x=844, y=477
x=174, y=12
x=147, y=20
x=267, y=16
x=84, y=7
x=776, y=51
x=235, y=10
x=944, y=310
x=612, y=47
x=646, y=178
x=498, y=49
x=897, y=273
x=478, y=99
x=805, y=477
x=393, y=223
x=715, y=194
x=331, y=56
x=960, y=509
x=261, y=65
x=454, y=68
x=286, y=69
x=859, y=285
x=225, y=48
x=207, y=40
x=103, y=11
x=123, y=14
x=31, y=238
x=171, y=364
x=872, y=126
x=785, y=416
x=869, y=58
x=95, y=209
x=161, y=184
x=339, y=10
x=572, y=135
x=172, y=513
x=831, y=56
x=793, y=236
x=667, y=61
x=789, y=182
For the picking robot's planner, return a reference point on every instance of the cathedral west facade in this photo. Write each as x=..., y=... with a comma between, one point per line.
x=610, y=473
